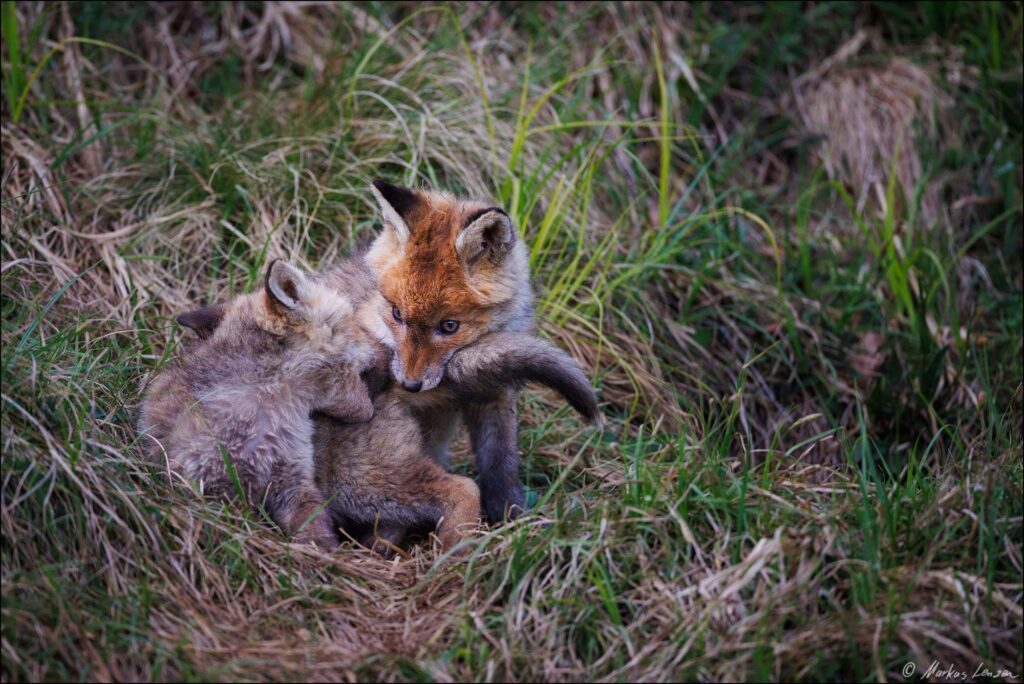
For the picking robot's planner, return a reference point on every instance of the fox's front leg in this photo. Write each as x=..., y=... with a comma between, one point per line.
x=300, y=511
x=460, y=508
x=493, y=431
x=348, y=400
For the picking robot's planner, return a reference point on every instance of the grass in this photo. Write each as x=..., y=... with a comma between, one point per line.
x=811, y=379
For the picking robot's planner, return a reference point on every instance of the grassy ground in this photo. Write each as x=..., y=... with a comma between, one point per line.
x=786, y=240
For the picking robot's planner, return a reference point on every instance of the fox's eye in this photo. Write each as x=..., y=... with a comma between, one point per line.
x=396, y=313
x=448, y=327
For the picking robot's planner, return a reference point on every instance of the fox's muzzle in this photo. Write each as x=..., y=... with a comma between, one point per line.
x=429, y=377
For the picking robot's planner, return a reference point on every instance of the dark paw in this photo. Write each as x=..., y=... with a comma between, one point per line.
x=384, y=539
x=501, y=500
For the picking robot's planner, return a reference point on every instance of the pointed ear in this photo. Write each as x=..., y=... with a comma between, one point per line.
x=286, y=286
x=204, y=320
x=396, y=204
x=487, y=234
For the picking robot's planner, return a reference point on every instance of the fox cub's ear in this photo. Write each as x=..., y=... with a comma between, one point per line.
x=287, y=287
x=396, y=204
x=487, y=234
x=204, y=320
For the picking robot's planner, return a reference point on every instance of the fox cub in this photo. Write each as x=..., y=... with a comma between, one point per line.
x=240, y=399
x=451, y=271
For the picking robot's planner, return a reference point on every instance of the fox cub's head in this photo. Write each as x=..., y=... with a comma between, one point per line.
x=314, y=338
x=450, y=271
x=313, y=316
x=307, y=313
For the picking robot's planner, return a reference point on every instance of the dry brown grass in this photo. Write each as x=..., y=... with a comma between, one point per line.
x=872, y=114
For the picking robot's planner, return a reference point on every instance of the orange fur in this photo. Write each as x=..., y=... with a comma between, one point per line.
x=428, y=284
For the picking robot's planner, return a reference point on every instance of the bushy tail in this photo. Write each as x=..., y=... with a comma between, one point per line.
x=513, y=359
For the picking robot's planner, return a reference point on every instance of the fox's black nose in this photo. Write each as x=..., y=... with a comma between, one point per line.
x=413, y=386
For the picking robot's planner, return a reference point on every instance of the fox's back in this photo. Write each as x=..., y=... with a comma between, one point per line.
x=232, y=391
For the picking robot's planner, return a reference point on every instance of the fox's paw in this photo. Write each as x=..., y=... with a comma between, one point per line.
x=319, y=532
x=352, y=406
x=502, y=500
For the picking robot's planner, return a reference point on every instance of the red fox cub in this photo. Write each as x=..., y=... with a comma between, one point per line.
x=451, y=271
x=234, y=410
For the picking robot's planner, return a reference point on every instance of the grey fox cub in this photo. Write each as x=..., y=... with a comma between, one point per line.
x=234, y=409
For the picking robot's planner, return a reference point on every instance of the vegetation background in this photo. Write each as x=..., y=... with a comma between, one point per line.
x=786, y=239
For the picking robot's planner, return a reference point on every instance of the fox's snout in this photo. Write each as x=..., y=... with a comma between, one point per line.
x=416, y=374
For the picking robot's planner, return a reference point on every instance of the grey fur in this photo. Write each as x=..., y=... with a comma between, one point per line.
x=245, y=392
x=386, y=476
x=503, y=360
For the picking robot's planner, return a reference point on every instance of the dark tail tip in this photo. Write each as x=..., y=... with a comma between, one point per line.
x=585, y=403
x=562, y=374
